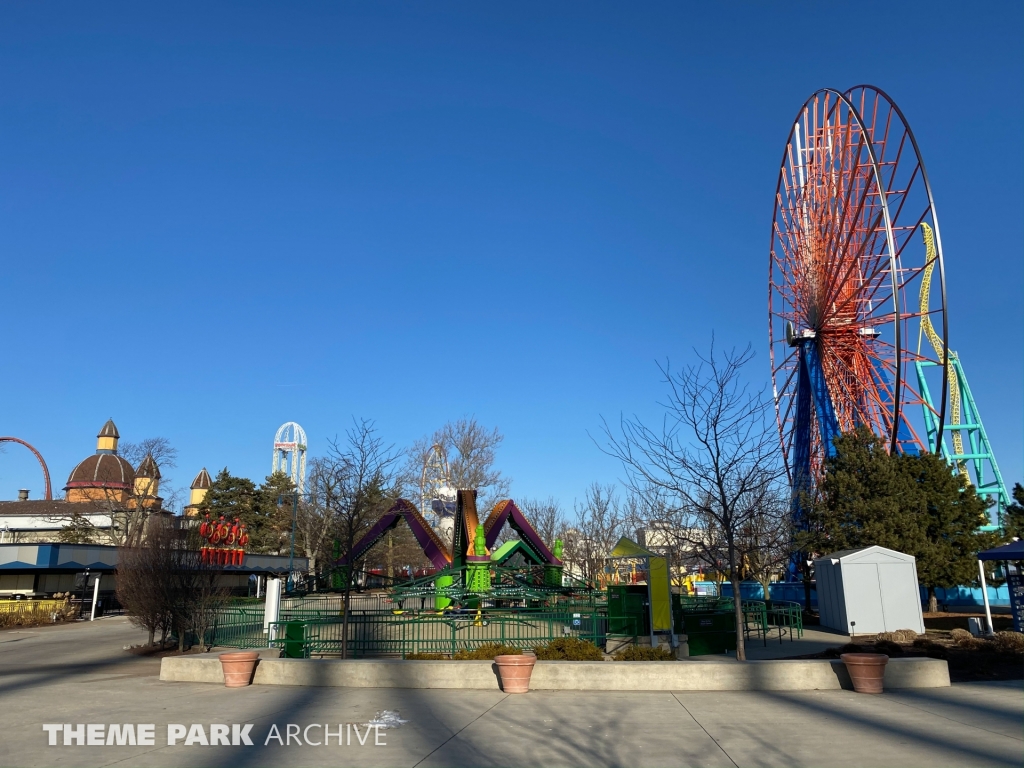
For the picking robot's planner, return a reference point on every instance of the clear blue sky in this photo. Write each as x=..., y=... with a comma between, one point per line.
x=218, y=217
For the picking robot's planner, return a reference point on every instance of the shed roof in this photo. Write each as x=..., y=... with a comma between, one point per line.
x=869, y=553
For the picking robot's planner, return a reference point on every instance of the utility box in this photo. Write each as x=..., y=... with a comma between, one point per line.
x=628, y=610
x=869, y=590
x=711, y=632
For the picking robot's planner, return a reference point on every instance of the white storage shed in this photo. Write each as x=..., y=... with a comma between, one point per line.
x=869, y=590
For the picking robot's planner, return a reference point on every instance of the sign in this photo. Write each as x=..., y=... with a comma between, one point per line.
x=1015, y=584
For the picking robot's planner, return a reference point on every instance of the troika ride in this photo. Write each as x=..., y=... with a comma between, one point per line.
x=857, y=314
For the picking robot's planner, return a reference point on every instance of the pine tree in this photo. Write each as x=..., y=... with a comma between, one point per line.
x=863, y=499
x=1013, y=518
x=275, y=498
x=948, y=513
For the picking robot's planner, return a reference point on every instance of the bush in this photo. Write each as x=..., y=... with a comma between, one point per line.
x=962, y=637
x=899, y=636
x=645, y=653
x=569, y=649
x=425, y=657
x=1009, y=642
x=487, y=652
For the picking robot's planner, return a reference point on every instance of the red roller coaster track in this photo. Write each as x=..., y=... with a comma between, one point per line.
x=46, y=472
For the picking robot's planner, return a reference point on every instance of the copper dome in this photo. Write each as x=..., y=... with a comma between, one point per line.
x=103, y=470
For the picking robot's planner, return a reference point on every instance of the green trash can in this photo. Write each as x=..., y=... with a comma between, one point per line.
x=294, y=640
x=711, y=632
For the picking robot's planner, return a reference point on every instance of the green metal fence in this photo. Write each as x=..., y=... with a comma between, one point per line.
x=370, y=634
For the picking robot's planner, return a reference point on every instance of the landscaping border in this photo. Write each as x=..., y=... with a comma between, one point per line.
x=690, y=675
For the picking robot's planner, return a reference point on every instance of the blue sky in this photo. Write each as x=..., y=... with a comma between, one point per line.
x=218, y=217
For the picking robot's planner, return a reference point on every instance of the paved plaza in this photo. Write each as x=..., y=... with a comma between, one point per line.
x=78, y=674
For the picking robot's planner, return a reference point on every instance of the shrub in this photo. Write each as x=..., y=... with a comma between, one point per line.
x=569, y=649
x=899, y=636
x=486, y=652
x=1009, y=642
x=425, y=656
x=644, y=653
x=961, y=637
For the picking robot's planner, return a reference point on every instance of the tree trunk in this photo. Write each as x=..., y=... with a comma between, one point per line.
x=734, y=579
x=152, y=635
x=933, y=601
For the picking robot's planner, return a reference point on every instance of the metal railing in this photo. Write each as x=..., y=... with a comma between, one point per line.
x=448, y=633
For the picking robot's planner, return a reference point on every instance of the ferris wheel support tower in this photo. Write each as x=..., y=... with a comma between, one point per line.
x=290, y=454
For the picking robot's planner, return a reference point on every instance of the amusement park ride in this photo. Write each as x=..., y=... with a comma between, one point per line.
x=858, y=336
x=472, y=568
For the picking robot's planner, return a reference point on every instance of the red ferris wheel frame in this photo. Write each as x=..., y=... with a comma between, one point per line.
x=846, y=257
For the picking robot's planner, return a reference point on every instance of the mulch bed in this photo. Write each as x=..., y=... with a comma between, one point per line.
x=948, y=621
x=965, y=664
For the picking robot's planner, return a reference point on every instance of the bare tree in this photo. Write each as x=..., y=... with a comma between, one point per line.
x=165, y=585
x=471, y=450
x=767, y=539
x=597, y=527
x=546, y=518
x=363, y=483
x=714, y=458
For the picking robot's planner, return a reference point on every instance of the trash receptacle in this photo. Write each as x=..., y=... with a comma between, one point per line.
x=294, y=640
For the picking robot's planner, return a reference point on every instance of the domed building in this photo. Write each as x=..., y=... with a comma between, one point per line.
x=104, y=476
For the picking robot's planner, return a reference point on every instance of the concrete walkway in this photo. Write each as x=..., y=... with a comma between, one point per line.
x=79, y=674
x=814, y=640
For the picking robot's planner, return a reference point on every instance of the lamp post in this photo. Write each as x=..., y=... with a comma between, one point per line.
x=291, y=553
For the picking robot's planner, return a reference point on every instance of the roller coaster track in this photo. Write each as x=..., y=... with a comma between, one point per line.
x=927, y=329
x=48, y=495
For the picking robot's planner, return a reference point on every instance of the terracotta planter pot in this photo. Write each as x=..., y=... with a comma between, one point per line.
x=867, y=670
x=238, y=667
x=515, y=672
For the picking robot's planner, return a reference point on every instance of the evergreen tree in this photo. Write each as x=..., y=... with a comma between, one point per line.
x=945, y=538
x=275, y=498
x=911, y=503
x=1013, y=519
x=863, y=499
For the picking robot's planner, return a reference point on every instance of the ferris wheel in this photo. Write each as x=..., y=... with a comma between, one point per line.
x=856, y=293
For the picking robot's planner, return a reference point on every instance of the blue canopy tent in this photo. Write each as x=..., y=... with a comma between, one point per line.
x=1012, y=552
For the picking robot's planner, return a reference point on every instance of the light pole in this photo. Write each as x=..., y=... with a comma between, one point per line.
x=291, y=553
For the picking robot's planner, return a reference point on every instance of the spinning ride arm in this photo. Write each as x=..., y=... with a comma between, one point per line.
x=507, y=511
x=428, y=540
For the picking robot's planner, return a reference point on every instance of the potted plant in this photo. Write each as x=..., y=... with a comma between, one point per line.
x=514, y=670
x=238, y=667
x=867, y=670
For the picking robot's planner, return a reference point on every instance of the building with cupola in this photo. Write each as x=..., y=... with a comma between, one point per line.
x=100, y=489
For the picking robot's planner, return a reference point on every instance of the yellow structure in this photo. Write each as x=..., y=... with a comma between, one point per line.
x=197, y=493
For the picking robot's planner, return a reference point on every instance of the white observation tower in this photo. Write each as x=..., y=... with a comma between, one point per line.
x=290, y=453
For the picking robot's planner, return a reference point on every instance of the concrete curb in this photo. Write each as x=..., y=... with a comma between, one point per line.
x=692, y=675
